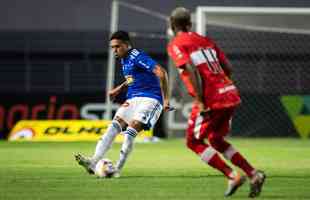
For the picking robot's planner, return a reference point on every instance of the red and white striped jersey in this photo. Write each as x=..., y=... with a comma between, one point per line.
x=191, y=48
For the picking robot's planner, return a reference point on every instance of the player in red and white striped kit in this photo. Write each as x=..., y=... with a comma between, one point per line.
x=205, y=71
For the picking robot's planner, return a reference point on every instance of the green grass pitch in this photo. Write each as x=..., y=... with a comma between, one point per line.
x=165, y=170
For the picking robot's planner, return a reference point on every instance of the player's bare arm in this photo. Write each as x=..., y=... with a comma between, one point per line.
x=195, y=80
x=117, y=90
x=161, y=73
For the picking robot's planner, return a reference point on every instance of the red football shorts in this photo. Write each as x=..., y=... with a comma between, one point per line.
x=216, y=122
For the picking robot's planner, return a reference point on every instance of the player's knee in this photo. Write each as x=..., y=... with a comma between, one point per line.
x=115, y=124
x=120, y=122
x=196, y=145
x=214, y=141
x=191, y=143
x=217, y=142
x=137, y=125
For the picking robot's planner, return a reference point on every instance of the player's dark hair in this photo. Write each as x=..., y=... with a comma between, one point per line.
x=121, y=35
x=181, y=18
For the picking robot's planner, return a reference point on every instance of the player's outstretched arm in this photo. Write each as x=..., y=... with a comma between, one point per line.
x=161, y=73
x=117, y=90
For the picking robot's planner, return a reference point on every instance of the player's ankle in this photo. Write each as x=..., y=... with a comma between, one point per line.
x=252, y=174
x=233, y=175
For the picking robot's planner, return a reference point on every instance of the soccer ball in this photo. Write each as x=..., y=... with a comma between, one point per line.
x=104, y=168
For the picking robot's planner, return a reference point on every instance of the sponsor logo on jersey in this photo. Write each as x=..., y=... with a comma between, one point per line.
x=129, y=79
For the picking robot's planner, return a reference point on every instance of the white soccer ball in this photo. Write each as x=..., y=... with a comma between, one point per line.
x=104, y=168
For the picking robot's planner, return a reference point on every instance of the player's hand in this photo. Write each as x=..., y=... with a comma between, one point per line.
x=203, y=110
x=113, y=93
x=117, y=90
x=167, y=106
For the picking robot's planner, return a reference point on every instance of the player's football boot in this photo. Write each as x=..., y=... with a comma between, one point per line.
x=116, y=174
x=234, y=184
x=84, y=162
x=256, y=184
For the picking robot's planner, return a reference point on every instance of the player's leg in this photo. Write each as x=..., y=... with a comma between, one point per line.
x=145, y=115
x=211, y=157
x=195, y=141
x=235, y=180
x=217, y=130
x=105, y=142
x=198, y=130
x=219, y=127
x=129, y=135
x=230, y=153
x=256, y=177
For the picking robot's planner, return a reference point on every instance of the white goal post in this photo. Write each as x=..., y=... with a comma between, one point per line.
x=255, y=18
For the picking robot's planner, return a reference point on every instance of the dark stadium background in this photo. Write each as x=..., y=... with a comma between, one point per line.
x=60, y=48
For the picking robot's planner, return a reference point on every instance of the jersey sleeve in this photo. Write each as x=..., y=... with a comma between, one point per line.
x=178, y=54
x=145, y=62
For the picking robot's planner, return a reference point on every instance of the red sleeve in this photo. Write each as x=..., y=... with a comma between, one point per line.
x=178, y=54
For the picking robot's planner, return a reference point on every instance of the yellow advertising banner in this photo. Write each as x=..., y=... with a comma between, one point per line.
x=65, y=130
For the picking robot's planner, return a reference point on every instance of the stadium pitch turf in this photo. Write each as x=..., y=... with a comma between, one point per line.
x=164, y=170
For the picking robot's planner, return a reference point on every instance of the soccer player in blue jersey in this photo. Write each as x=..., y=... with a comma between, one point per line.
x=147, y=95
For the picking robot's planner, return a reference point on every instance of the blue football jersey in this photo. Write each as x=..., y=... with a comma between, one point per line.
x=138, y=70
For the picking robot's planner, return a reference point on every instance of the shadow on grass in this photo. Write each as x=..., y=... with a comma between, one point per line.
x=305, y=177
